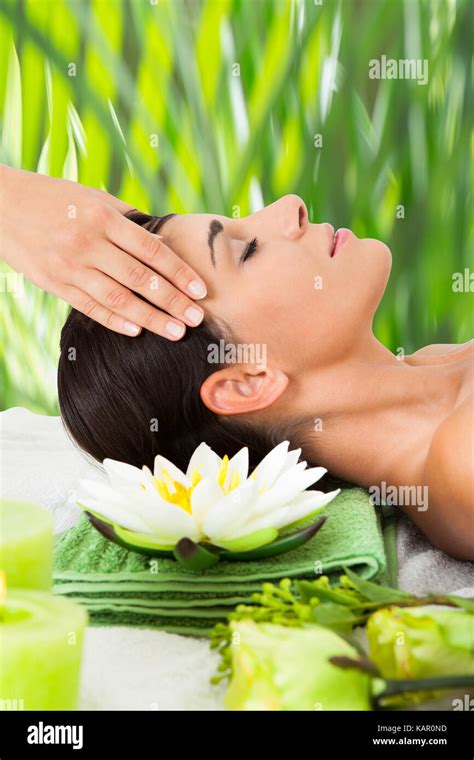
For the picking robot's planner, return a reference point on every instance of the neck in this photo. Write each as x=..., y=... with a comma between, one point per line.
x=371, y=417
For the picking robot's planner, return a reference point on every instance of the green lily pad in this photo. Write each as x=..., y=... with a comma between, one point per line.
x=251, y=541
x=88, y=512
x=199, y=556
x=279, y=546
x=145, y=540
x=127, y=539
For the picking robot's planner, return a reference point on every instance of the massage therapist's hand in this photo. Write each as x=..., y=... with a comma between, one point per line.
x=73, y=241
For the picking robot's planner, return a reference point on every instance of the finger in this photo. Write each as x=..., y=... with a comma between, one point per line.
x=152, y=251
x=83, y=302
x=104, y=197
x=118, y=299
x=131, y=273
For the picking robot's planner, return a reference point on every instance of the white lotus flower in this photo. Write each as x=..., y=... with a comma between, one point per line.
x=215, y=501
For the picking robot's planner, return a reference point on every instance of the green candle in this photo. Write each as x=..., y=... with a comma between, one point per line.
x=26, y=544
x=40, y=651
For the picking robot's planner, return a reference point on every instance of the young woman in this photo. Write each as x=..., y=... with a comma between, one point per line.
x=305, y=297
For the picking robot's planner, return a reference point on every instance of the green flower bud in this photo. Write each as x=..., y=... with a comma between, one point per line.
x=418, y=642
x=277, y=667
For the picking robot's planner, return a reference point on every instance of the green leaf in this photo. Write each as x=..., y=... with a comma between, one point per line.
x=459, y=601
x=334, y=616
x=120, y=536
x=375, y=593
x=11, y=136
x=141, y=540
x=249, y=542
x=278, y=546
x=195, y=556
x=308, y=590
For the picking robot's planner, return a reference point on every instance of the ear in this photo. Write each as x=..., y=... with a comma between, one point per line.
x=238, y=390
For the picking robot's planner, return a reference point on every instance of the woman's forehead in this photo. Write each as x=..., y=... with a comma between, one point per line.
x=181, y=230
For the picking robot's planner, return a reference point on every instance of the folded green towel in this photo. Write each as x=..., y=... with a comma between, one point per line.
x=125, y=588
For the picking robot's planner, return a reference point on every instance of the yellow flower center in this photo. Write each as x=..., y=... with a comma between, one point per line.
x=234, y=481
x=174, y=492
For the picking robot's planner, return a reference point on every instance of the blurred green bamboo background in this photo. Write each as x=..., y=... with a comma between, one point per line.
x=208, y=105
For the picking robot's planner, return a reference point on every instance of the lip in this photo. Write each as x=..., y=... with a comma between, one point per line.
x=340, y=239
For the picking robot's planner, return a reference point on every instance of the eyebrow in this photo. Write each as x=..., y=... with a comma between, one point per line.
x=158, y=223
x=214, y=228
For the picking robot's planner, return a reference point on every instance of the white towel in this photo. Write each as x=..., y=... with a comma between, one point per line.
x=40, y=464
x=422, y=569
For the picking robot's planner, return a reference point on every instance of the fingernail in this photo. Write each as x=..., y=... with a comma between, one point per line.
x=197, y=288
x=175, y=329
x=131, y=328
x=194, y=314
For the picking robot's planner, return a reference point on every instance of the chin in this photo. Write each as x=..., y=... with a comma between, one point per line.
x=376, y=272
x=379, y=258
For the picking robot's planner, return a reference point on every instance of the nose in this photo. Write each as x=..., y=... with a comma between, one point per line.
x=287, y=216
x=291, y=215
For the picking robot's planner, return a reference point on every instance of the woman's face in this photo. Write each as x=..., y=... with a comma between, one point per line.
x=308, y=303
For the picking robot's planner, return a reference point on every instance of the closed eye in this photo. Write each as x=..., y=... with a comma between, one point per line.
x=249, y=250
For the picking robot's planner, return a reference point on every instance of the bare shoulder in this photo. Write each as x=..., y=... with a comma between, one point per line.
x=449, y=475
x=441, y=349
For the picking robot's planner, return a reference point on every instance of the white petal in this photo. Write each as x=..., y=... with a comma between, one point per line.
x=306, y=503
x=164, y=517
x=272, y=520
x=291, y=460
x=271, y=465
x=314, y=498
x=175, y=527
x=207, y=493
x=154, y=513
x=298, y=509
x=163, y=464
x=240, y=464
x=121, y=474
x=291, y=472
x=98, y=491
x=308, y=475
x=117, y=512
x=288, y=486
x=206, y=460
x=231, y=510
x=148, y=479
